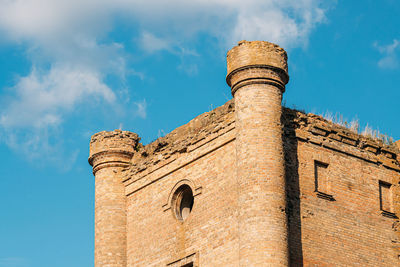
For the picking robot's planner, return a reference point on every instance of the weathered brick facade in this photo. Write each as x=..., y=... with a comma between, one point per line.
x=264, y=185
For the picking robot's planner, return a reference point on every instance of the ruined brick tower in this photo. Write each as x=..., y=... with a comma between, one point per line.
x=248, y=184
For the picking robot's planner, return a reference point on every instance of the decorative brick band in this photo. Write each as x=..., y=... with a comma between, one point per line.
x=252, y=81
x=114, y=158
x=283, y=73
x=257, y=74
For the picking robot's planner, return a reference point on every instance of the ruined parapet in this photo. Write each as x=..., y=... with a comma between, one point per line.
x=257, y=75
x=319, y=131
x=296, y=124
x=182, y=140
x=109, y=153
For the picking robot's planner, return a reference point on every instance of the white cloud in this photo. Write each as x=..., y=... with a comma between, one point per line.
x=31, y=122
x=72, y=37
x=42, y=98
x=43, y=20
x=286, y=22
x=389, y=57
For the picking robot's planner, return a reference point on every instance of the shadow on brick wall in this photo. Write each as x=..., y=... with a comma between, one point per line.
x=292, y=186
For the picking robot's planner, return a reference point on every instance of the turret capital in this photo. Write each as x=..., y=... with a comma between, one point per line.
x=112, y=149
x=256, y=62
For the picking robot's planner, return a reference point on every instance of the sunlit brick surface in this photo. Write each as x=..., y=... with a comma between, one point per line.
x=272, y=186
x=109, y=153
x=259, y=155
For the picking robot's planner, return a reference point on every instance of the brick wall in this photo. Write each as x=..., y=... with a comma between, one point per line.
x=342, y=226
x=156, y=238
x=341, y=223
x=272, y=186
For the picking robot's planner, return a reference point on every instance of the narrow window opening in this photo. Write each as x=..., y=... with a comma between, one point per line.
x=322, y=183
x=385, y=199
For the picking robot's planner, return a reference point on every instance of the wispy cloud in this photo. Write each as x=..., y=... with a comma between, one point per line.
x=43, y=146
x=41, y=98
x=31, y=122
x=162, y=23
x=389, y=59
x=151, y=43
x=140, y=109
x=72, y=55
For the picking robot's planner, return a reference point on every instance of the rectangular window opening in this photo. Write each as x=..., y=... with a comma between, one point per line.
x=322, y=183
x=385, y=199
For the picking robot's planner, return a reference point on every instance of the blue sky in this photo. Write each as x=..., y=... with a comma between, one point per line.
x=72, y=68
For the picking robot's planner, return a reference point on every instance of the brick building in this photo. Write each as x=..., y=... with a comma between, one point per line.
x=250, y=183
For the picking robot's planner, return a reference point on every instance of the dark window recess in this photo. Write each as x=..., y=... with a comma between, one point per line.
x=182, y=202
x=188, y=261
x=385, y=199
x=322, y=183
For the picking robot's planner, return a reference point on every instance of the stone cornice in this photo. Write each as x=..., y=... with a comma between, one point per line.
x=110, y=158
x=281, y=72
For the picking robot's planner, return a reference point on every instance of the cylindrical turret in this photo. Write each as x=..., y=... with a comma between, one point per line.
x=257, y=75
x=109, y=152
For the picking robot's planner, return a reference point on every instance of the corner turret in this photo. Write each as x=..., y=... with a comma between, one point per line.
x=257, y=75
x=109, y=153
